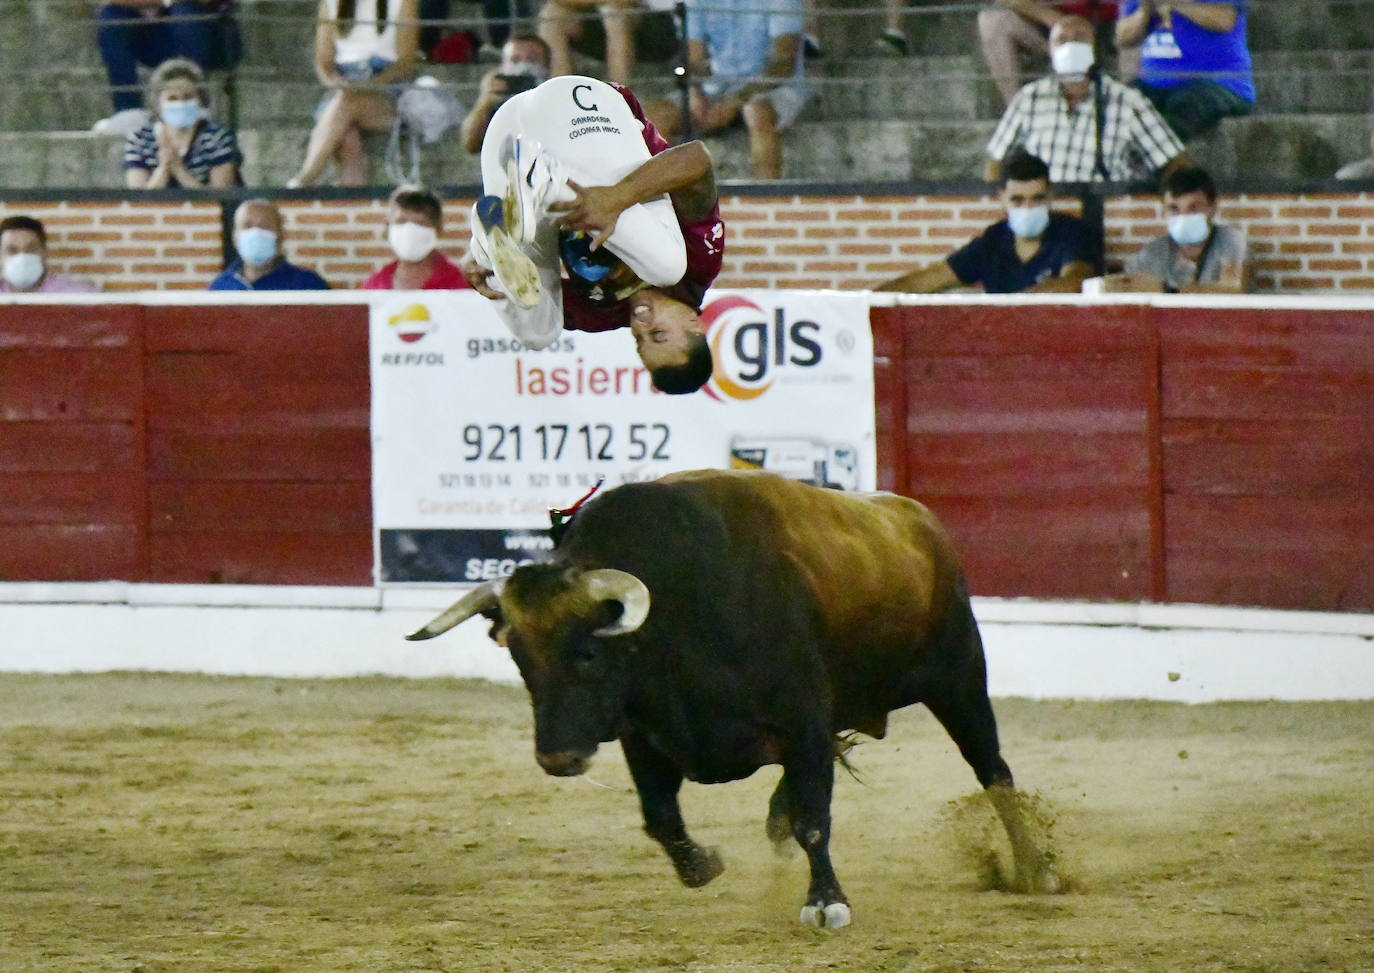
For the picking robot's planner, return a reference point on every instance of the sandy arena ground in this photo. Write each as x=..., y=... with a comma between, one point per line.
x=158, y=823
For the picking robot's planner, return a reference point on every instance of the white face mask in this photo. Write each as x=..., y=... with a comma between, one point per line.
x=181, y=114
x=1188, y=229
x=23, y=270
x=1028, y=222
x=412, y=241
x=1072, y=58
x=535, y=72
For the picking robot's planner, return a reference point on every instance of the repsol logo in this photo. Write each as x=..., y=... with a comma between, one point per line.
x=413, y=358
x=752, y=346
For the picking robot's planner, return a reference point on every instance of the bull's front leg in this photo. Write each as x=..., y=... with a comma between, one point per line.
x=658, y=780
x=809, y=779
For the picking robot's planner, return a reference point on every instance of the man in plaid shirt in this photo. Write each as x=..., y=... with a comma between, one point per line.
x=1063, y=119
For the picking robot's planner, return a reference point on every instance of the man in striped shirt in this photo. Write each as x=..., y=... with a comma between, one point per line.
x=1086, y=126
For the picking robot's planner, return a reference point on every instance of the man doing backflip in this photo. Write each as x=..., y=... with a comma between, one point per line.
x=591, y=222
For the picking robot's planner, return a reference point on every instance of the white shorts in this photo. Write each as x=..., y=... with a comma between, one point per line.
x=593, y=136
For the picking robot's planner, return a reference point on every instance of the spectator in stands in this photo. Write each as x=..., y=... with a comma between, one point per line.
x=180, y=147
x=624, y=31
x=1058, y=119
x=1196, y=255
x=524, y=64
x=24, y=261
x=415, y=217
x=1009, y=28
x=258, y=236
x=149, y=32
x=1033, y=250
x=745, y=61
x=361, y=47
x=1194, y=62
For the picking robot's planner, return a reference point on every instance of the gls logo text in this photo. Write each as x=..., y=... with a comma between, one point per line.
x=750, y=347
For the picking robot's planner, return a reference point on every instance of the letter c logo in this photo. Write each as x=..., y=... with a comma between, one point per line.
x=578, y=101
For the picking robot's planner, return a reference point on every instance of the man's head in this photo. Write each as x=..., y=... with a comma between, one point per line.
x=415, y=217
x=1071, y=47
x=526, y=54
x=671, y=341
x=1190, y=205
x=1026, y=194
x=23, y=252
x=258, y=231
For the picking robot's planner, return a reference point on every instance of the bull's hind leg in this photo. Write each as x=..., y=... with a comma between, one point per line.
x=967, y=716
x=658, y=780
x=809, y=779
x=779, y=823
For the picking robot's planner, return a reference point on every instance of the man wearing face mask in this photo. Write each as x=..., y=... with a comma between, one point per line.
x=1196, y=255
x=258, y=236
x=415, y=217
x=1032, y=251
x=1086, y=126
x=24, y=261
x=524, y=65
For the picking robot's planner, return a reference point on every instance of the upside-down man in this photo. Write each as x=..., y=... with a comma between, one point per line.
x=578, y=181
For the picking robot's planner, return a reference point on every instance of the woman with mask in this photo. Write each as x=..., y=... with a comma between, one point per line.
x=181, y=147
x=363, y=48
x=415, y=218
x=24, y=261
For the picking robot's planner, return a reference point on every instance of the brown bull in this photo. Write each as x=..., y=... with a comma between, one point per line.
x=715, y=622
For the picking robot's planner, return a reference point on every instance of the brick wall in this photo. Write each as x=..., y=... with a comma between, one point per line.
x=1303, y=243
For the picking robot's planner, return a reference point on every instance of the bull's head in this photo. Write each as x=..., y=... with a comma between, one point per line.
x=561, y=626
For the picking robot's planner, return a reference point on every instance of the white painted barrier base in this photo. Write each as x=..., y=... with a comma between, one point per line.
x=1185, y=653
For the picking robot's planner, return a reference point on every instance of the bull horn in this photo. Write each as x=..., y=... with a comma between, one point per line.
x=480, y=599
x=607, y=584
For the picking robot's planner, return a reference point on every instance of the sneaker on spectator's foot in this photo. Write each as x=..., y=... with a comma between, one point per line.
x=892, y=43
x=811, y=47
x=124, y=122
x=494, y=245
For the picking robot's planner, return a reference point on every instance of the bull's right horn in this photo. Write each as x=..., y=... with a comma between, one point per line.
x=608, y=584
x=475, y=602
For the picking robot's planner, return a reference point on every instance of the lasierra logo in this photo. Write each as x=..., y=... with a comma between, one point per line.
x=751, y=346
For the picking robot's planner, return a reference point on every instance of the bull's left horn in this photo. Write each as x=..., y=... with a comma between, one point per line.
x=607, y=584
x=476, y=601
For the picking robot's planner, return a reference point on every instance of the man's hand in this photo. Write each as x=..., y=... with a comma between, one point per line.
x=479, y=277
x=493, y=90
x=593, y=209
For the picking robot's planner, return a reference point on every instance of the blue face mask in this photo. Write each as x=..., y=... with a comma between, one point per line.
x=1028, y=222
x=1188, y=229
x=182, y=114
x=581, y=260
x=255, y=245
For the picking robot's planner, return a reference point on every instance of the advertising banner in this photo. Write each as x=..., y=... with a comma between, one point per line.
x=476, y=438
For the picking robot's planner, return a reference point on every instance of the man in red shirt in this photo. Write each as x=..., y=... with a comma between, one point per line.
x=415, y=217
x=593, y=223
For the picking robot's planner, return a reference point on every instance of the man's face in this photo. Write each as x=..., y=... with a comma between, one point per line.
x=1068, y=29
x=396, y=215
x=519, y=57
x=1021, y=193
x=1194, y=202
x=261, y=217
x=20, y=241
x=663, y=329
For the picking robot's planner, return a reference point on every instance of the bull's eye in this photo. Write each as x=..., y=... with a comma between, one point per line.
x=583, y=661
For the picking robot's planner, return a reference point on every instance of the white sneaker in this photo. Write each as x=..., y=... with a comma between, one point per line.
x=496, y=245
x=534, y=179
x=124, y=122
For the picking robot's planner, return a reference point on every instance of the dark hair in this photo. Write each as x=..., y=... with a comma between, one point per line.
x=24, y=223
x=411, y=196
x=1024, y=167
x=1180, y=182
x=348, y=11
x=691, y=374
x=526, y=37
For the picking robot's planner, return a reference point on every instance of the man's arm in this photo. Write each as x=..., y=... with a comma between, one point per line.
x=1235, y=278
x=937, y=277
x=1132, y=28
x=684, y=172
x=1069, y=281
x=490, y=95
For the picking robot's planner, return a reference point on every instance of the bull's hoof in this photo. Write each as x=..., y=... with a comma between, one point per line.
x=706, y=865
x=832, y=916
x=1047, y=882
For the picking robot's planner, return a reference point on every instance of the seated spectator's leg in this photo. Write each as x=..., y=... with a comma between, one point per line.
x=351, y=158
x=212, y=42
x=765, y=140
x=618, y=18
x=1198, y=107
x=559, y=25
x=1002, y=33
x=368, y=111
x=126, y=40
x=666, y=116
